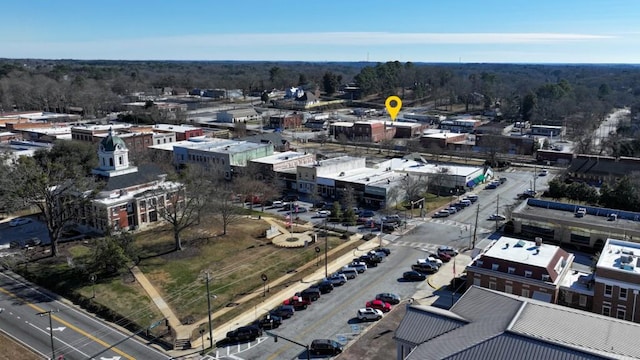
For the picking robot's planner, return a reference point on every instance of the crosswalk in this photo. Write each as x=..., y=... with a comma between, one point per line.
x=459, y=225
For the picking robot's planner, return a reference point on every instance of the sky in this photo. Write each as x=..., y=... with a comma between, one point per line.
x=465, y=31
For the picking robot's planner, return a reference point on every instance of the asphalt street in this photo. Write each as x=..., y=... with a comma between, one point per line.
x=43, y=324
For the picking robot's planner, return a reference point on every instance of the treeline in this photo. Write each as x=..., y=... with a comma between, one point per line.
x=575, y=96
x=623, y=195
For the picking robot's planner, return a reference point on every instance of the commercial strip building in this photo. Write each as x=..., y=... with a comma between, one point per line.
x=487, y=324
x=556, y=222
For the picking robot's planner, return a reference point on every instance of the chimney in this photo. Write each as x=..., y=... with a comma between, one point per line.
x=538, y=241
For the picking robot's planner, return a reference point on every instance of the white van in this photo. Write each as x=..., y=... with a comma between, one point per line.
x=465, y=202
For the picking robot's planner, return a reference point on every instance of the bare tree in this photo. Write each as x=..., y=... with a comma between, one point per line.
x=439, y=178
x=222, y=205
x=181, y=200
x=56, y=188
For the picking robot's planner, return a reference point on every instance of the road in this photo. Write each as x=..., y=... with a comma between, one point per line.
x=608, y=126
x=333, y=316
x=76, y=335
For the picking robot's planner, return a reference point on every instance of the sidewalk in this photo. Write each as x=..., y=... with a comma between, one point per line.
x=274, y=299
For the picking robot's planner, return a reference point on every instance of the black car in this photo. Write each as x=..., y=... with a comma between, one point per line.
x=390, y=298
x=268, y=322
x=414, y=276
x=311, y=293
x=384, y=250
x=325, y=286
x=283, y=311
x=325, y=347
x=245, y=333
x=370, y=259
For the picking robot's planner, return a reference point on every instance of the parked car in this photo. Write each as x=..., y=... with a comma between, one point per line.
x=390, y=298
x=369, y=314
x=311, y=293
x=371, y=260
x=414, y=276
x=298, y=302
x=325, y=347
x=300, y=209
x=384, y=250
x=367, y=213
x=440, y=214
x=283, y=311
x=425, y=268
x=19, y=221
x=581, y=212
x=431, y=259
x=349, y=272
x=268, y=322
x=360, y=266
x=544, y=172
x=428, y=260
x=379, y=304
x=34, y=241
x=277, y=204
x=325, y=286
x=491, y=186
x=245, y=333
x=503, y=180
x=471, y=197
x=338, y=279
x=291, y=197
x=323, y=213
x=442, y=256
x=447, y=250
x=452, y=210
x=320, y=205
x=497, y=217
x=392, y=219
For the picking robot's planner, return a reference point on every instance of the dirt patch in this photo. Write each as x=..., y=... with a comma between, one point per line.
x=12, y=350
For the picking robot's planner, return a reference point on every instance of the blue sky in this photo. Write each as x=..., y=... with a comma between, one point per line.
x=508, y=31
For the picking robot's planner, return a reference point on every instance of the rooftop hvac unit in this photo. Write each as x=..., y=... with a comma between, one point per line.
x=626, y=259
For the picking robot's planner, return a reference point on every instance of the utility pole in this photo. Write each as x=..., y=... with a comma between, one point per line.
x=497, y=211
x=475, y=228
x=326, y=249
x=48, y=313
x=209, y=313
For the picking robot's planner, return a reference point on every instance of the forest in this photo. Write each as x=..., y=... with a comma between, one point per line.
x=576, y=96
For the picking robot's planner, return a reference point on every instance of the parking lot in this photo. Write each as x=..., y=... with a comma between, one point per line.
x=23, y=234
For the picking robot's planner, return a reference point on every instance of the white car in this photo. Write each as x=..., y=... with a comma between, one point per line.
x=497, y=217
x=544, y=172
x=431, y=261
x=323, y=213
x=369, y=314
x=19, y=221
x=277, y=204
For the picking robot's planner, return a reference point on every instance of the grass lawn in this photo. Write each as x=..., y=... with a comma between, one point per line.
x=235, y=262
x=13, y=350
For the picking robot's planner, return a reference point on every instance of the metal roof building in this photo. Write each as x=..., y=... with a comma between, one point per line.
x=486, y=324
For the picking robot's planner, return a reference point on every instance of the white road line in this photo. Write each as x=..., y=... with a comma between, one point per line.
x=58, y=339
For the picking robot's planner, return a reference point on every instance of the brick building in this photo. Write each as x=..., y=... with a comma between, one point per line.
x=286, y=121
x=616, y=282
x=526, y=268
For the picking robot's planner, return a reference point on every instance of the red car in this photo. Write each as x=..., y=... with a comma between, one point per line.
x=379, y=304
x=297, y=302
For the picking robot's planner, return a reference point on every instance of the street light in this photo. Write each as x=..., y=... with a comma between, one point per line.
x=48, y=313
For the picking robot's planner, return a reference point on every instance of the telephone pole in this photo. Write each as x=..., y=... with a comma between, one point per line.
x=209, y=312
x=48, y=313
x=475, y=228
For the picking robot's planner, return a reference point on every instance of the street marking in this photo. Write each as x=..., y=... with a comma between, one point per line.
x=58, y=339
x=61, y=329
x=71, y=326
x=111, y=358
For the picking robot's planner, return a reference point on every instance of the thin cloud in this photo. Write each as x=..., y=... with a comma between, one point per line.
x=375, y=38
